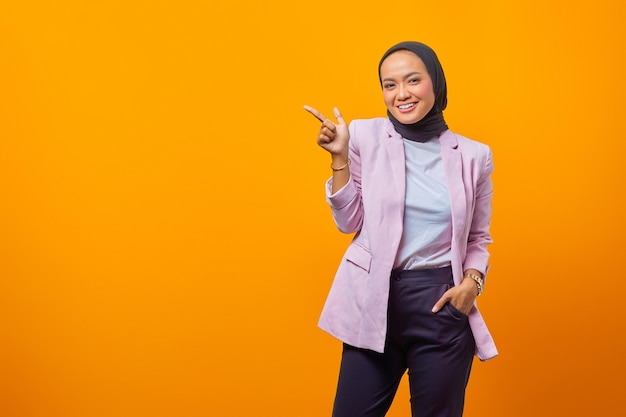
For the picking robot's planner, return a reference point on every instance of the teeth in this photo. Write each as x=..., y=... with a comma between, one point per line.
x=406, y=106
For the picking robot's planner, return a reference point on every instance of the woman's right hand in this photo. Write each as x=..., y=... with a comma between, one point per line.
x=333, y=137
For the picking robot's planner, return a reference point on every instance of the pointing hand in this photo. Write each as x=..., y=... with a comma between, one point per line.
x=333, y=137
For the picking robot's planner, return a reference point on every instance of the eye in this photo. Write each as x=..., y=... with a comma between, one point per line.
x=388, y=86
x=414, y=80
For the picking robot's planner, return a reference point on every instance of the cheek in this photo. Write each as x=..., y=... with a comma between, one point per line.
x=424, y=92
x=388, y=99
x=428, y=98
x=427, y=92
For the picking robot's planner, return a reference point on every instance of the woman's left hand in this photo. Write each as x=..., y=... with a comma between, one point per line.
x=462, y=297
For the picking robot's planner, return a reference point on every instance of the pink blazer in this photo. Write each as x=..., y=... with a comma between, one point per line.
x=372, y=205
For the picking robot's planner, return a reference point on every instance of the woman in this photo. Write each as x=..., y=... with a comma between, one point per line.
x=418, y=197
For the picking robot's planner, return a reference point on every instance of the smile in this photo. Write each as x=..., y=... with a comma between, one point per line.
x=406, y=107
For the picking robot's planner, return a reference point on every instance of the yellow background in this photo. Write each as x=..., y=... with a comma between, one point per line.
x=165, y=247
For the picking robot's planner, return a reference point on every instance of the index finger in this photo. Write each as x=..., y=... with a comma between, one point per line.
x=319, y=116
x=440, y=303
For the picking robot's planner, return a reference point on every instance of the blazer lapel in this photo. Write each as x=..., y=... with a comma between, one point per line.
x=453, y=167
x=395, y=152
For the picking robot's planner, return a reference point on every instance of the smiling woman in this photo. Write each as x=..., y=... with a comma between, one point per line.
x=404, y=294
x=164, y=251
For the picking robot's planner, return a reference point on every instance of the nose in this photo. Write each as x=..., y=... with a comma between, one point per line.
x=403, y=92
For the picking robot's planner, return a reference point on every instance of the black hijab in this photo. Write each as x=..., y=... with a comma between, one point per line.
x=433, y=123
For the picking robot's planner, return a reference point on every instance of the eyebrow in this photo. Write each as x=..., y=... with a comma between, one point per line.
x=410, y=74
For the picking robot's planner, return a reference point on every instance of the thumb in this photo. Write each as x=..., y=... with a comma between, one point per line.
x=338, y=116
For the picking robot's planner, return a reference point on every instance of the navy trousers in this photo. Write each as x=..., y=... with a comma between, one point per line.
x=436, y=348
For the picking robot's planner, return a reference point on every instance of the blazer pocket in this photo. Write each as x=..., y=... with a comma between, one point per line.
x=359, y=256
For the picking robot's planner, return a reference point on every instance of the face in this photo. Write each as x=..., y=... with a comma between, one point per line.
x=407, y=87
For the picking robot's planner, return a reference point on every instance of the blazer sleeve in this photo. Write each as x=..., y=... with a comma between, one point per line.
x=347, y=203
x=479, y=237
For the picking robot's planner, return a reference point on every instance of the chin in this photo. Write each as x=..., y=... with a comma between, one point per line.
x=407, y=120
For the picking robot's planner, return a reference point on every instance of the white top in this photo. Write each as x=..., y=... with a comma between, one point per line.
x=427, y=232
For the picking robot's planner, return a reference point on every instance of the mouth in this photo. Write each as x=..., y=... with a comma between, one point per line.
x=404, y=108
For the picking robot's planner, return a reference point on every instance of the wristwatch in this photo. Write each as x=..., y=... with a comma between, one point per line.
x=479, y=281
